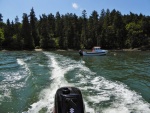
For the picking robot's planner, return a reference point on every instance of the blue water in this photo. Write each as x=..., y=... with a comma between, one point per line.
x=116, y=83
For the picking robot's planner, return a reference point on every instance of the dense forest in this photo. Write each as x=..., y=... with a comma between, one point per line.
x=108, y=29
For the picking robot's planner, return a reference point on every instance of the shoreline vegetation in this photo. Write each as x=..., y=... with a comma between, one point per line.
x=109, y=29
x=111, y=50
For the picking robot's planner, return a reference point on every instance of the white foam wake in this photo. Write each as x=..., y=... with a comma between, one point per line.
x=27, y=70
x=13, y=80
x=46, y=97
x=125, y=100
x=21, y=62
x=99, y=90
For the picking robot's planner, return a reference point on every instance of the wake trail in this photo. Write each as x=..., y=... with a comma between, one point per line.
x=27, y=71
x=13, y=79
x=46, y=97
x=97, y=91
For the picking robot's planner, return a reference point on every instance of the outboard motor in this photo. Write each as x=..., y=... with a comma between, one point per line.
x=69, y=100
x=81, y=52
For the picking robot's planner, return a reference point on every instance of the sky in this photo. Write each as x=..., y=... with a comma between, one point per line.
x=12, y=8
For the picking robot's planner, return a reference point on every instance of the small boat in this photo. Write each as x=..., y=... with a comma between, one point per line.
x=96, y=51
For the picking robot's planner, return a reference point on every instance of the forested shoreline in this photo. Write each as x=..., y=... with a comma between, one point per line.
x=108, y=29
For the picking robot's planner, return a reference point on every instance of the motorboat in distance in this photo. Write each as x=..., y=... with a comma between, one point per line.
x=96, y=51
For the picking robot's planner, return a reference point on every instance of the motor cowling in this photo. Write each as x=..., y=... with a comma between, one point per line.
x=69, y=100
x=81, y=52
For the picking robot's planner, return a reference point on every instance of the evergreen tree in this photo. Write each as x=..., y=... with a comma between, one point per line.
x=8, y=33
x=101, y=31
x=2, y=25
x=16, y=19
x=70, y=30
x=44, y=33
x=34, y=30
x=76, y=29
x=107, y=31
x=119, y=30
x=110, y=29
x=26, y=33
x=51, y=24
x=67, y=31
x=54, y=40
x=17, y=38
x=1, y=38
x=94, y=28
x=59, y=22
x=1, y=21
x=145, y=24
x=83, y=40
x=1, y=18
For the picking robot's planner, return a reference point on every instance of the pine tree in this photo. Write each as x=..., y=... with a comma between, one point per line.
x=1, y=38
x=76, y=29
x=94, y=28
x=84, y=30
x=1, y=18
x=8, y=35
x=51, y=24
x=17, y=38
x=59, y=23
x=2, y=25
x=34, y=30
x=26, y=33
x=44, y=33
x=119, y=30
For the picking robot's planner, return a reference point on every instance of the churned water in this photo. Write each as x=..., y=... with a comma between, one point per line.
x=116, y=83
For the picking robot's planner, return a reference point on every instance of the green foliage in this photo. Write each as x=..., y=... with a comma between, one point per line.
x=34, y=30
x=1, y=18
x=26, y=33
x=44, y=33
x=134, y=35
x=1, y=37
x=108, y=29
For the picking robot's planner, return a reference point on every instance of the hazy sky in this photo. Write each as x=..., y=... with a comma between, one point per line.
x=12, y=8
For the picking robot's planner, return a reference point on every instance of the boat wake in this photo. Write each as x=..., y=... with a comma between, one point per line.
x=13, y=80
x=26, y=68
x=100, y=94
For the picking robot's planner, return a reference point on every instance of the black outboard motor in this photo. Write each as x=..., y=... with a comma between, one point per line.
x=81, y=52
x=69, y=100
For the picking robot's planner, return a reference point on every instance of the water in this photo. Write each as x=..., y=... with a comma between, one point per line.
x=116, y=83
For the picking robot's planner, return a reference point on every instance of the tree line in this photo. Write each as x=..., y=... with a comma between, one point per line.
x=108, y=29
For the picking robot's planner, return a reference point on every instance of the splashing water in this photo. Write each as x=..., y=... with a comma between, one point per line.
x=106, y=96
x=29, y=80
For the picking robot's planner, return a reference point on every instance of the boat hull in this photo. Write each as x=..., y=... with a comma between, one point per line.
x=94, y=53
x=83, y=53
